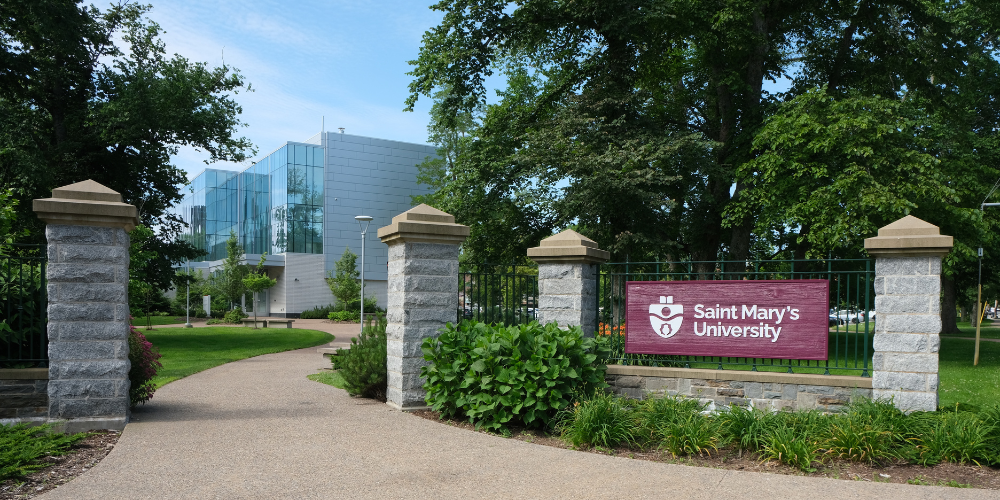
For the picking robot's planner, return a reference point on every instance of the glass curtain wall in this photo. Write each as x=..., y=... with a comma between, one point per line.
x=275, y=206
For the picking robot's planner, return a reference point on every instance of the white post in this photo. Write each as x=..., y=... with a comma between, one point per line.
x=187, y=309
x=364, y=229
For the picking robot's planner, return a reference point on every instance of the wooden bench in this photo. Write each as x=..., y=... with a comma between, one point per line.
x=280, y=323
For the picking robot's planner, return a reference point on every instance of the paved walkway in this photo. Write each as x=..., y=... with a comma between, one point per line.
x=258, y=428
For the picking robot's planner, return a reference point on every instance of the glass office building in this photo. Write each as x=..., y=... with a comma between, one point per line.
x=298, y=205
x=275, y=206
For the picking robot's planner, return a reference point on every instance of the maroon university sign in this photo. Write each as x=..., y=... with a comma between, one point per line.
x=783, y=319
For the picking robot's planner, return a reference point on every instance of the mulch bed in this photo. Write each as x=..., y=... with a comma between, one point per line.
x=944, y=474
x=80, y=459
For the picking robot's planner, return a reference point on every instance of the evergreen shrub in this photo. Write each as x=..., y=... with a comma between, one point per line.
x=318, y=312
x=497, y=376
x=363, y=366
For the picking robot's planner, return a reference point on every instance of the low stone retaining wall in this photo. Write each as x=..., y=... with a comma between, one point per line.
x=24, y=395
x=721, y=388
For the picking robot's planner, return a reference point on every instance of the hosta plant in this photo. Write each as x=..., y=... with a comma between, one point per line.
x=496, y=376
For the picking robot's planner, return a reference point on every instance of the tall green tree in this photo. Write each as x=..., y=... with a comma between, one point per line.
x=344, y=281
x=229, y=279
x=638, y=121
x=91, y=94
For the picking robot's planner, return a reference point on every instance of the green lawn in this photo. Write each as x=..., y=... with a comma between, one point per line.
x=190, y=350
x=989, y=330
x=328, y=377
x=960, y=382
x=140, y=321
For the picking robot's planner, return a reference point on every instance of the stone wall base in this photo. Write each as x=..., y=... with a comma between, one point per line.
x=721, y=388
x=24, y=395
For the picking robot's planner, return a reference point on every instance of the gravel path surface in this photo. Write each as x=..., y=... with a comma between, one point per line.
x=258, y=428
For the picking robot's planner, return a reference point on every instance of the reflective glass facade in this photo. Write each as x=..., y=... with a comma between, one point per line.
x=274, y=206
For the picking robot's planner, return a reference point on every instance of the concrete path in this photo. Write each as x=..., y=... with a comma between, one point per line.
x=258, y=428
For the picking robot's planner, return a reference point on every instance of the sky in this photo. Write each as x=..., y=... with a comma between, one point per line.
x=342, y=60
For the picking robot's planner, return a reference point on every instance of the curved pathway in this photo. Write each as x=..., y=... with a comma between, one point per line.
x=258, y=428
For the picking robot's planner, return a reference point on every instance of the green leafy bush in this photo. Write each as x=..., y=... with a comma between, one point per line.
x=235, y=316
x=318, y=312
x=144, y=359
x=496, y=376
x=22, y=448
x=345, y=316
x=602, y=420
x=363, y=366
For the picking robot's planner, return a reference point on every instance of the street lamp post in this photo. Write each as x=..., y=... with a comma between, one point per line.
x=187, y=310
x=363, y=221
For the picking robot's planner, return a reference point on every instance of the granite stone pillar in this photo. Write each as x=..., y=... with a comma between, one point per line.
x=87, y=274
x=567, y=280
x=423, y=294
x=908, y=256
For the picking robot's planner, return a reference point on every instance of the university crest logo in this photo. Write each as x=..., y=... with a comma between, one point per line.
x=666, y=317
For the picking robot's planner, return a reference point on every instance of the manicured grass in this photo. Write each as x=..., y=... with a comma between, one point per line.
x=190, y=350
x=328, y=377
x=989, y=330
x=960, y=382
x=140, y=321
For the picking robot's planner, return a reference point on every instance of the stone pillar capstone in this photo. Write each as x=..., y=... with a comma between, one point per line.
x=908, y=256
x=567, y=280
x=423, y=294
x=87, y=274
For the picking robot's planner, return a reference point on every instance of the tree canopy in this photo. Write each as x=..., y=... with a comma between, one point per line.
x=91, y=94
x=650, y=124
x=724, y=129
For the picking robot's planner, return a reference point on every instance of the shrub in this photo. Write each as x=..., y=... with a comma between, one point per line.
x=235, y=316
x=144, y=358
x=363, y=366
x=497, y=376
x=602, y=420
x=318, y=312
x=345, y=316
x=22, y=448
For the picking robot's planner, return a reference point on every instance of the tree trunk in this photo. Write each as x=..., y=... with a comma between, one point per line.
x=949, y=322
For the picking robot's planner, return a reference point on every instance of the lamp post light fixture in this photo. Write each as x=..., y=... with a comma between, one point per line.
x=363, y=221
x=187, y=310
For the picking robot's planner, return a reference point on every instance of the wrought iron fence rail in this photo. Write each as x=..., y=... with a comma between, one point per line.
x=23, y=304
x=502, y=294
x=851, y=294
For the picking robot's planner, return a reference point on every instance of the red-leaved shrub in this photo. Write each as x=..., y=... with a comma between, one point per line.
x=145, y=362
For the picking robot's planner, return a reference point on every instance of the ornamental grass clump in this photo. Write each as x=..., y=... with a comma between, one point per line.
x=497, y=376
x=144, y=358
x=363, y=366
x=603, y=420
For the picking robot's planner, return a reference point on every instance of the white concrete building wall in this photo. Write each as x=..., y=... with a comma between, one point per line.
x=305, y=283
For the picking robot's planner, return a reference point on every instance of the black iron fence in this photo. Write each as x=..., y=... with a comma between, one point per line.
x=23, y=304
x=851, y=321
x=503, y=294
